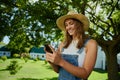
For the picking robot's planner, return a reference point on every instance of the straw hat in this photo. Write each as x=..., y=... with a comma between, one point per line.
x=75, y=15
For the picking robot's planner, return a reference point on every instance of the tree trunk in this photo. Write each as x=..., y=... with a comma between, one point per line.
x=112, y=67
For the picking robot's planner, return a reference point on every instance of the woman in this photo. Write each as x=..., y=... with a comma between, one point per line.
x=76, y=55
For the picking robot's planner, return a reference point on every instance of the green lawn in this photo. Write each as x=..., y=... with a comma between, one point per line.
x=98, y=75
x=38, y=70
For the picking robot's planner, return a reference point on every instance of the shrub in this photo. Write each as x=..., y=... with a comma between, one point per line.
x=25, y=59
x=45, y=61
x=36, y=59
x=16, y=55
x=4, y=58
x=13, y=67
x=25, y=55
x=21, y=58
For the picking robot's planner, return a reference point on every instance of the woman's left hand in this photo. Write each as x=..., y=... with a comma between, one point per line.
x=54, y=57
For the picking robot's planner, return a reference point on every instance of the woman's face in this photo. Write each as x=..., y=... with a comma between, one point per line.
x=70, y=26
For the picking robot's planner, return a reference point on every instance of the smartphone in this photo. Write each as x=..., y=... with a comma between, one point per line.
x=48, y=48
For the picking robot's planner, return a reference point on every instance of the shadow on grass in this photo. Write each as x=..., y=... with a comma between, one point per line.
x=3, y=70
x=54, y=78
x=48, y=67
x=100, y=71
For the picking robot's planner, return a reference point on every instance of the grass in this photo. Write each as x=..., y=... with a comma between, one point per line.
x=32, y=70
x=98, y=74
x=38, y=70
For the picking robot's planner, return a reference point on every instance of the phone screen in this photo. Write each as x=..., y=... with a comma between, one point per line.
x=48, y=48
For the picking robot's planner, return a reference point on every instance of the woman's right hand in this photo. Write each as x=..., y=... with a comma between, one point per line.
x=54, y=57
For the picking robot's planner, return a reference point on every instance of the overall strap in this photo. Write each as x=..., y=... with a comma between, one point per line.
x=82, y=48
x=86, y=41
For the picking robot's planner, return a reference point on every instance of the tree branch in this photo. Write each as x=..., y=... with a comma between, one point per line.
x=97, y=18
x=83, y=6
x=113, y=8
x=111, y=20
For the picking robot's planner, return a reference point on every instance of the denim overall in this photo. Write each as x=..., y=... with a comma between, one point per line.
x=73, y=59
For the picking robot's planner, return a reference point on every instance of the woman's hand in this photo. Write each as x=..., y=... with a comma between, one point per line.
x=54, y=57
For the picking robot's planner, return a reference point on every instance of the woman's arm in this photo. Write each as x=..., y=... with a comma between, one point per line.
x=55, y=67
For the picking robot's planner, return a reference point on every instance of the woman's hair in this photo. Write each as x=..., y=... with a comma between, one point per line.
x=80, y=34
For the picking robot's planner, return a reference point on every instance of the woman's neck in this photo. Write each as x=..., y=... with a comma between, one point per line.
x=74, y=38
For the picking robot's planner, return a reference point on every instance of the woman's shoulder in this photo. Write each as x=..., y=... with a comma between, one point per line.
x=91, y=42
x=91, y=47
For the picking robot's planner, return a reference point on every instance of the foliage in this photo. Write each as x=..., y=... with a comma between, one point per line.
x=26, y=59
x=16, y=55
x=36, y=59
x=13, y=67
x=2, y=43
x=26, y=23
x=45, y=61
x=4, y=58
x=25, y=56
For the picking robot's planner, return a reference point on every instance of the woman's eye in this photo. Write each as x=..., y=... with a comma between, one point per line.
x=71, y=23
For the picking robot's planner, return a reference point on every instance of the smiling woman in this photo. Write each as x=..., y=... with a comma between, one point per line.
x=76, y=55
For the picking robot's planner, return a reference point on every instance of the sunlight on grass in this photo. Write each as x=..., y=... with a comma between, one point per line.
x=32, y=70
x=38, y=70
x=98, y=75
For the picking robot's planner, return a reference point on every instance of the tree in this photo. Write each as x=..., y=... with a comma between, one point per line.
x=5, y=15
x=106, y=31
x=29, y=24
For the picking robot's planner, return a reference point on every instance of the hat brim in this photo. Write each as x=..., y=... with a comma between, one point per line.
x=80, y=17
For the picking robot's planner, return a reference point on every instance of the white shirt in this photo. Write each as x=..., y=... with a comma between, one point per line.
x=72, y=50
